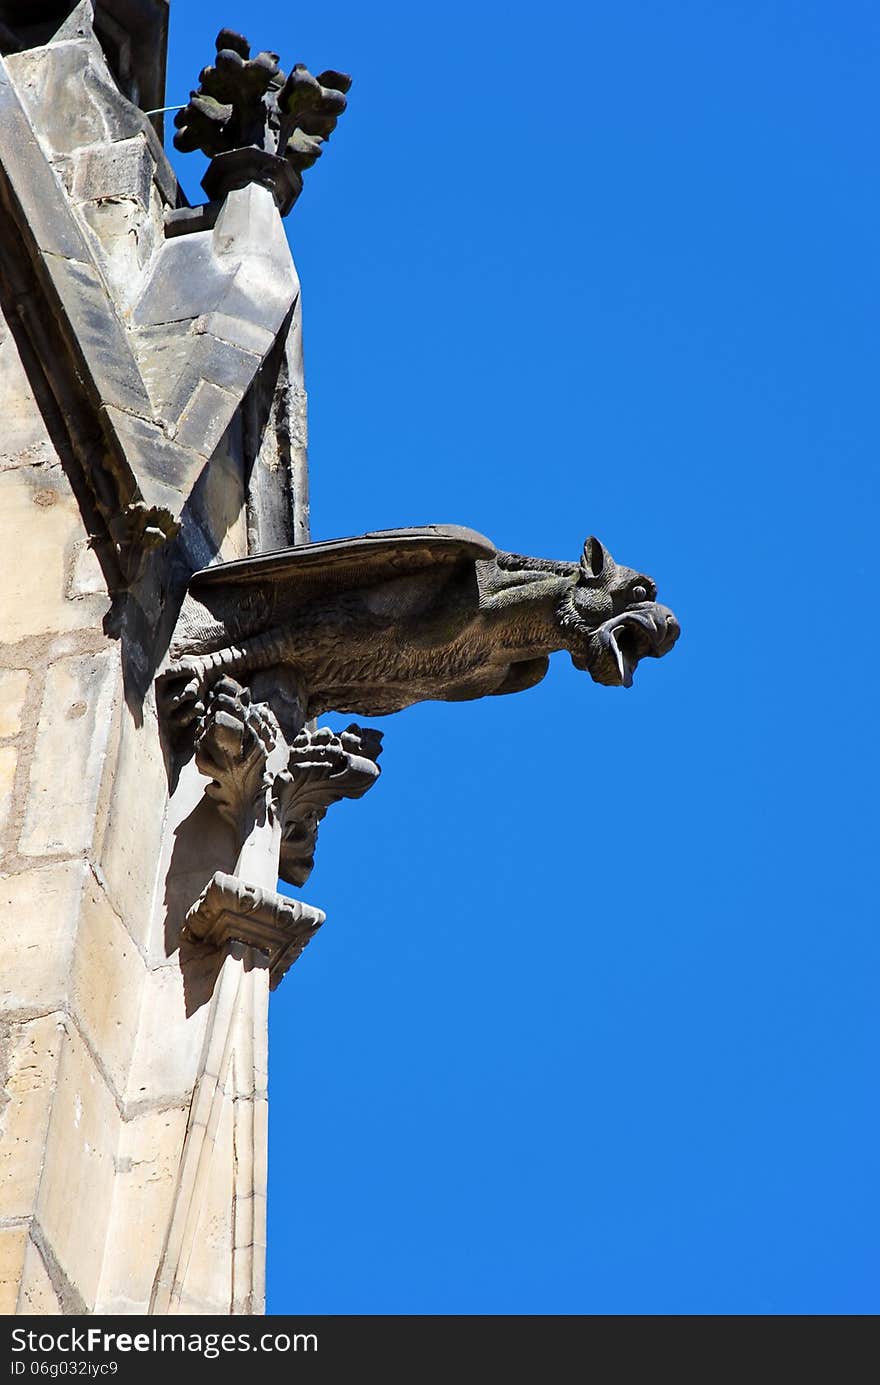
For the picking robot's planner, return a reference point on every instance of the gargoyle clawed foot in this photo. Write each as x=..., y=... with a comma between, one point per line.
x=182, y=694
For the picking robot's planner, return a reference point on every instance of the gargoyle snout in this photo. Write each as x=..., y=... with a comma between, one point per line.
x=667, y=623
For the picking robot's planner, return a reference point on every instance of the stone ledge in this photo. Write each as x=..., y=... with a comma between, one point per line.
x=230, y=910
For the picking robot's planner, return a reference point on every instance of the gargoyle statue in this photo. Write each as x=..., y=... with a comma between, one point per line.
x=374, y=624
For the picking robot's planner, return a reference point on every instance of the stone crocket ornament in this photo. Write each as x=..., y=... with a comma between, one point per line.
x=256, y=123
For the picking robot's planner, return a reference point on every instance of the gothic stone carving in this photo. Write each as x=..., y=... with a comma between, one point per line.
x=274, y=795
x=242, y=751
x=323, y=769
x=230, y=910
x=255, y=123
x=374, y=624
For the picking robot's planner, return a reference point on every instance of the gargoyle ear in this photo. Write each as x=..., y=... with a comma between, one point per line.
x=593, y=563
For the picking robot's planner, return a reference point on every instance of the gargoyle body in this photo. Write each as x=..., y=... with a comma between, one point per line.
x=374, y=624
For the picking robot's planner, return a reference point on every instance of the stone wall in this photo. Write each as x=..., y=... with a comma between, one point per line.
x=133, y=1108
x=100, y=1058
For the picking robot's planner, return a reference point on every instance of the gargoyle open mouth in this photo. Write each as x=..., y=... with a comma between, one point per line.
x=646, y=631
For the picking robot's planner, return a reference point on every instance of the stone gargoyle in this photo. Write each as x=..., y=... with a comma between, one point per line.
x=374, y=624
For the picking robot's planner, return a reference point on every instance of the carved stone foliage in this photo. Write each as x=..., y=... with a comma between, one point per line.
x=256, y=123
x=242, y=751
x=323, y=768
x=380, y=622
x=274, y=795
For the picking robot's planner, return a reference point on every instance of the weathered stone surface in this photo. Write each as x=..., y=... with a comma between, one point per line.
x=208, y=360
x=8, y=762
x=125, y=242
x=66, y=777
x=130, y=853
x=71, y=96
x=163, y=1072
x=39, y=912
x=80, y=1150
x=206, y=1285
x=205, y=418
x=34, y=181
x=86, y=575
x=146, y=1176
x=218, y=501
x=324, y=767
x=123, y=169
x=37, y=1297
x=99, y=227
x=107, y=986
x=249, y=336
x=188, y=280
x=40, y=525
x=31, y=1054
x=24, y=440
x=99, y=334
x=13, y=1240
x=13, y=690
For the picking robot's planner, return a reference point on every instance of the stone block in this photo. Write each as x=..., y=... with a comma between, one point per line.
x=13, y=690
x=186, y=281
x=71, y=97
x=218, y=503
x=125, y=243
x=163, y=353
x=133, y=837
x=207, y=1275
x=248, y=336
x=13, y=1240
x=206, y=418
x=39, y=915
x=8, y=762
x=146, y=1181
x=86, y=576
x=36, y=186
x=107, y=985
x=37, y=1298
x=31, y=1056
x=122, y=169
x=24, y=440
x=76, y=1190
x=67, y=770
x=226, y=366
x=165, y=471
x=161, y=1071
x=102, y=339
x=39, y=525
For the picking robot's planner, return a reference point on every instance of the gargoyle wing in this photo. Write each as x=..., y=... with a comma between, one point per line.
x=343, y=564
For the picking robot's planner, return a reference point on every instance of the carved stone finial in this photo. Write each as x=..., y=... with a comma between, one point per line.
x=257, y=124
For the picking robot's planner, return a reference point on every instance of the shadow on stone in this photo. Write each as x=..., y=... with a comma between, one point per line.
x=203, y=843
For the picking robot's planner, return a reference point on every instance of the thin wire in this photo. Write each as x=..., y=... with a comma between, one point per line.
x=163, y=109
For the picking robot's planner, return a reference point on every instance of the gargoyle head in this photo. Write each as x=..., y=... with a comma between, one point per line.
x=610, y=619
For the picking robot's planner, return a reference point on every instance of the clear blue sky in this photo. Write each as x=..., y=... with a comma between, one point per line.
x=592, y=1025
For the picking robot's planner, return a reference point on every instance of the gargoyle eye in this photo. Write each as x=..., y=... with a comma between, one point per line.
x=639, y=593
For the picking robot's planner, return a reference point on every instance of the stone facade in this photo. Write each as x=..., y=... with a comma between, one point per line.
x=133, y=1115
